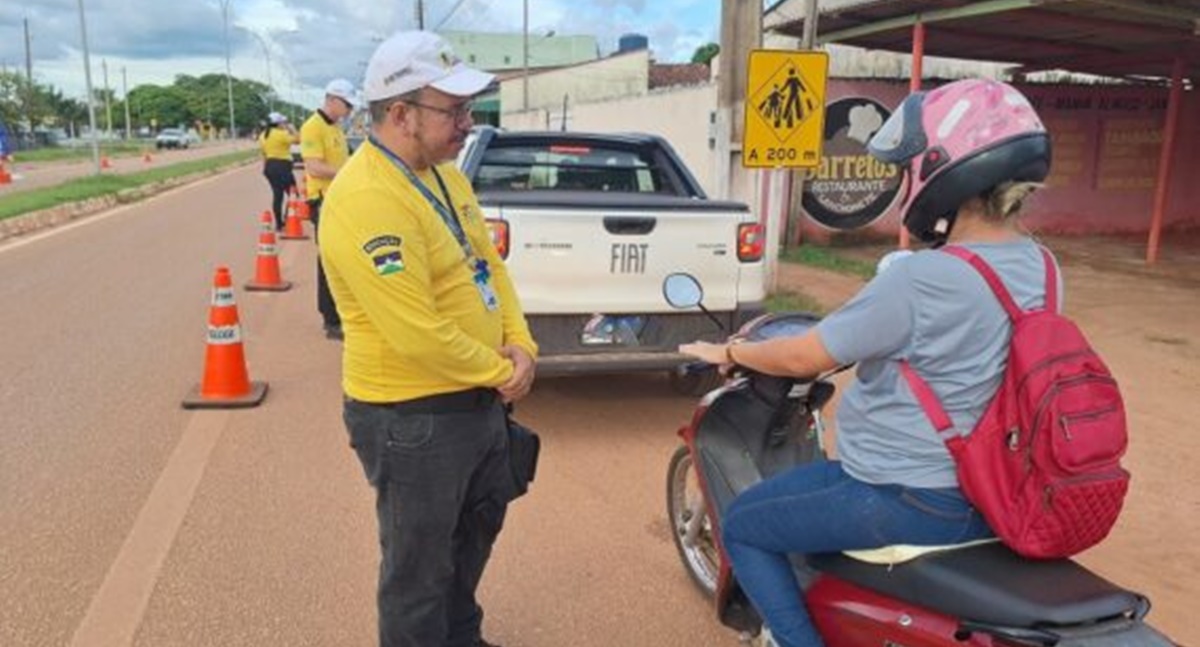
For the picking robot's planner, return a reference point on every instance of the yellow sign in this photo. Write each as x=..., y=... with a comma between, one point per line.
x=785, y=109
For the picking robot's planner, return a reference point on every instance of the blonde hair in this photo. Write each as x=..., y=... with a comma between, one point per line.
x=1006, y=200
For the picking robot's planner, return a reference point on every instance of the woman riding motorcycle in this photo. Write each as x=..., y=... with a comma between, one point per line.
x=975, y=150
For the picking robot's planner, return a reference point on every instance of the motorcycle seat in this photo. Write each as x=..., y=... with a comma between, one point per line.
x=990, y=584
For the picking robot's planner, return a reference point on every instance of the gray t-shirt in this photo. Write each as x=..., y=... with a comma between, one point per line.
x=937, y=312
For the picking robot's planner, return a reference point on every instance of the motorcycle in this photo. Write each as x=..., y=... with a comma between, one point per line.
x=980, y=595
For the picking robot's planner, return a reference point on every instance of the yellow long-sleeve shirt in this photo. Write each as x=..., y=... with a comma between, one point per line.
x=321, y=138
x=414, y=321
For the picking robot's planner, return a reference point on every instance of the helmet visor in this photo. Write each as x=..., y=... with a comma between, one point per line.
x=902, y=136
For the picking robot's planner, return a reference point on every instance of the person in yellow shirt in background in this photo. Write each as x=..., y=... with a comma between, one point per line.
x=324, y=150
x=436, y=343
x=276, y=144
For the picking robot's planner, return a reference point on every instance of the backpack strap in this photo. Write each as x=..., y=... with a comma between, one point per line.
x=928, y=401
x=997, y=286
x=990, y=277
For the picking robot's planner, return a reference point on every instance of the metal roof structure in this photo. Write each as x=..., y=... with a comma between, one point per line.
x=1155, y=41
x=1132, y=39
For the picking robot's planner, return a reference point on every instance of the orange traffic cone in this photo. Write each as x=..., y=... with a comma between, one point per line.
x=104, y=163
x=266, y=269
x=293, y=229
x=266, y=222
x=5, y=176
x=146, y=157
x=226, y=383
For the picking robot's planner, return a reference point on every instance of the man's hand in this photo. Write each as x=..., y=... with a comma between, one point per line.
x=715, y=354
x=521, y=381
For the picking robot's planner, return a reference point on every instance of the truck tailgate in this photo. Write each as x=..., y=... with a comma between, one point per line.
x=572, y=260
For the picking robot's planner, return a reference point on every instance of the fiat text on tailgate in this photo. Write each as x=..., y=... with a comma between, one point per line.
x=590, y=224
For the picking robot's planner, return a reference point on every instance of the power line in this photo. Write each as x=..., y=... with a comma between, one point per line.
x=449, y=14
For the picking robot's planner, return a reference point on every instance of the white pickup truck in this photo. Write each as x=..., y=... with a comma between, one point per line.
x=590, y=224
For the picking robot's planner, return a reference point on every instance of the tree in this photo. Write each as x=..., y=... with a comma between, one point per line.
x=705, y=53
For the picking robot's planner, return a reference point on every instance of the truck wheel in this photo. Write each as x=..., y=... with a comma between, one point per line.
x=694, y=383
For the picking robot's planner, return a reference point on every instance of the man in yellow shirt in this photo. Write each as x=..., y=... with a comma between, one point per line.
x=436, y=342
x=323, y=147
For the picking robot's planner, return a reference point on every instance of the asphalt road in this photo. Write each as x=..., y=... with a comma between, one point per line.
x=125, y=520
x=35, y=175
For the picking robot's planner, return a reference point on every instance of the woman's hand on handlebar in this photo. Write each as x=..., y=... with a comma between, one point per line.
x=715, y=354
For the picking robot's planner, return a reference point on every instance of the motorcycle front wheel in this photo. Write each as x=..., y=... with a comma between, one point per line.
x=691, y=526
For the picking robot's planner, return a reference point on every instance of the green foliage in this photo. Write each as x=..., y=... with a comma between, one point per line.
x=829, y=259
x=56, y=154
x=102, y=185
x=189, y=102
x=705, y=53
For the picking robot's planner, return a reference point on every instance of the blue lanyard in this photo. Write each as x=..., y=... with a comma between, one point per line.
x=444, y=210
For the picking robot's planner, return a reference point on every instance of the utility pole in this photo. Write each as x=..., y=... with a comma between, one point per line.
x=87, y=76
x=741, y=32
x=228, y=74
x=795, y=185
x=107, y=99
x=125, y=93
x=419, y=14
x=525, y=60
x=28, y=81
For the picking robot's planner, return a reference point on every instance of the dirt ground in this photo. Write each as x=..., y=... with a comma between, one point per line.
x=1145, y=322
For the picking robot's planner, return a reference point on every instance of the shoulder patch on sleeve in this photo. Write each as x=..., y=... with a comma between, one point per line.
x=381, y=241
x=388, y=262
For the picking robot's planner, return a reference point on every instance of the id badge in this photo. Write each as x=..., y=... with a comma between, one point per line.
x=488, y=295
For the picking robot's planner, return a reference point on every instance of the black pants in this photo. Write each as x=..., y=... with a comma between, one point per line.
x=325, y=303
x=442, y=484
x=279, y=175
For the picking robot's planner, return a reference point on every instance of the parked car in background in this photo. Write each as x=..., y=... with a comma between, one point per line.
x=171, y=138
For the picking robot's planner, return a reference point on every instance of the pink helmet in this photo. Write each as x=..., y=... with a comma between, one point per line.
x=969, y=136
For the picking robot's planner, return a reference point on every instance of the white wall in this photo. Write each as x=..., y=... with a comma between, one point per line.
x=616, y=76
x=679, y=115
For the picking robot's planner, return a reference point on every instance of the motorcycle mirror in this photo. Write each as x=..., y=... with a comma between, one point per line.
x=682, y=291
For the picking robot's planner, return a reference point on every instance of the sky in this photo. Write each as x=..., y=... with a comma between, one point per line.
x=306, y=42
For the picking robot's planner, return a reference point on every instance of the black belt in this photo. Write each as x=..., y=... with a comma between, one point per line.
x=457, y=402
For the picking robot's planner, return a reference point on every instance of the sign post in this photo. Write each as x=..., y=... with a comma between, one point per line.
x=784, y=128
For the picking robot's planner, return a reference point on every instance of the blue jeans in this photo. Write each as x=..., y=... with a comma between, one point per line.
x=818, y=508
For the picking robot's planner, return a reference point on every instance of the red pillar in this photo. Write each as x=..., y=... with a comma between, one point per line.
x=914, y=85
x=1163, y=184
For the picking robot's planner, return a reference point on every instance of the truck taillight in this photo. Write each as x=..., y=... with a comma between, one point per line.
x=750, y=242
x=499, y=231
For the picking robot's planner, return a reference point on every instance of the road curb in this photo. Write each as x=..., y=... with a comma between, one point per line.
x=63, y=213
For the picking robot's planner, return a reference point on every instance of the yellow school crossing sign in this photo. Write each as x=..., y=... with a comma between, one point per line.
x=785, y=109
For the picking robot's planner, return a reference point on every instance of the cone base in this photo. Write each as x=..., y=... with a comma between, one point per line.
x=282, y=286
x=300, y=237
x=258, y=391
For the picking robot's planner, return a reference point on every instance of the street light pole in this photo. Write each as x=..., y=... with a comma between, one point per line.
x=525, y=60
x=228, y=74
x=87, y=76
x=125, y=93
x=107, y=99
x=270, y=83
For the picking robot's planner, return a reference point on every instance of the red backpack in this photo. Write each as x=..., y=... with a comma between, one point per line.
x=1043, y=463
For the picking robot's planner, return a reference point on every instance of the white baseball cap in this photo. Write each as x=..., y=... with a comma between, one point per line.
x=344, y=90
x=276, y=118
x=411, y=60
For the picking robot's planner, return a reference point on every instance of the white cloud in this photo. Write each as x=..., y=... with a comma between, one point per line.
x=310, y=41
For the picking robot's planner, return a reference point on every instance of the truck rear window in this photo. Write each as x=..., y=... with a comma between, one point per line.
x=569, y=166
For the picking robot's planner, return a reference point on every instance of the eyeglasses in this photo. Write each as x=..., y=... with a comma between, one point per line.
x=456, y=114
